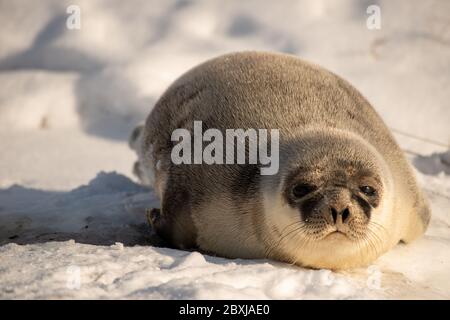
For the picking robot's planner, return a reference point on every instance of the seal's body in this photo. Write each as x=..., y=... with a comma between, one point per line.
x=344, y=192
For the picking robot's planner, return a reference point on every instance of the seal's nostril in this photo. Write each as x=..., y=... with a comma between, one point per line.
x=345, y=215
x=334, y=214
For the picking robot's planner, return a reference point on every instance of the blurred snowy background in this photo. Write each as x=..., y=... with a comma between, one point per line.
x=69, y=98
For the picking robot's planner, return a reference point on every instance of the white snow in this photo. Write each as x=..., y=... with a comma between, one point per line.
x=69, y=99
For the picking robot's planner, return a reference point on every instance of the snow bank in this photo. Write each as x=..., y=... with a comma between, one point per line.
x=107, y=210
x=70, y=270
x=52, y=269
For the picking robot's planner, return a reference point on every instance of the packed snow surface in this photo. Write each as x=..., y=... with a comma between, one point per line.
x=72, y=219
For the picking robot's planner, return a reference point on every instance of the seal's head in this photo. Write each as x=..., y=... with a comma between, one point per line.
x=330, y=209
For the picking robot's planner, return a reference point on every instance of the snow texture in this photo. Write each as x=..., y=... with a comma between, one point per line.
x=72, y=219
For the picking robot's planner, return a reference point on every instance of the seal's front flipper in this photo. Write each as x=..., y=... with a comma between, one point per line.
x=158, y=223
x=153, y=215
x=171, y=228
x=163, y=226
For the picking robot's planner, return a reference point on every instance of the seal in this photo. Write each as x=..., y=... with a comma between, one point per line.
x=343, y=195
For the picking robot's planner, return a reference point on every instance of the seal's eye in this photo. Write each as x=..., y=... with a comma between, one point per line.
x=368, y=191
x=301, y=190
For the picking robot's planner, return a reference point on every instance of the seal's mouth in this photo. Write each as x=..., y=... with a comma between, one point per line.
x=337, y=234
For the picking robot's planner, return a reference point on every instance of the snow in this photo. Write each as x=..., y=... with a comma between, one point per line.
x=72, y=219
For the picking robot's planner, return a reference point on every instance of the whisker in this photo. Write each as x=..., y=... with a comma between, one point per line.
x=282, y=237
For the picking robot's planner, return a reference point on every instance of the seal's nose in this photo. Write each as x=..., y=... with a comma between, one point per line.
x=337, y=209
x=339, y=216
